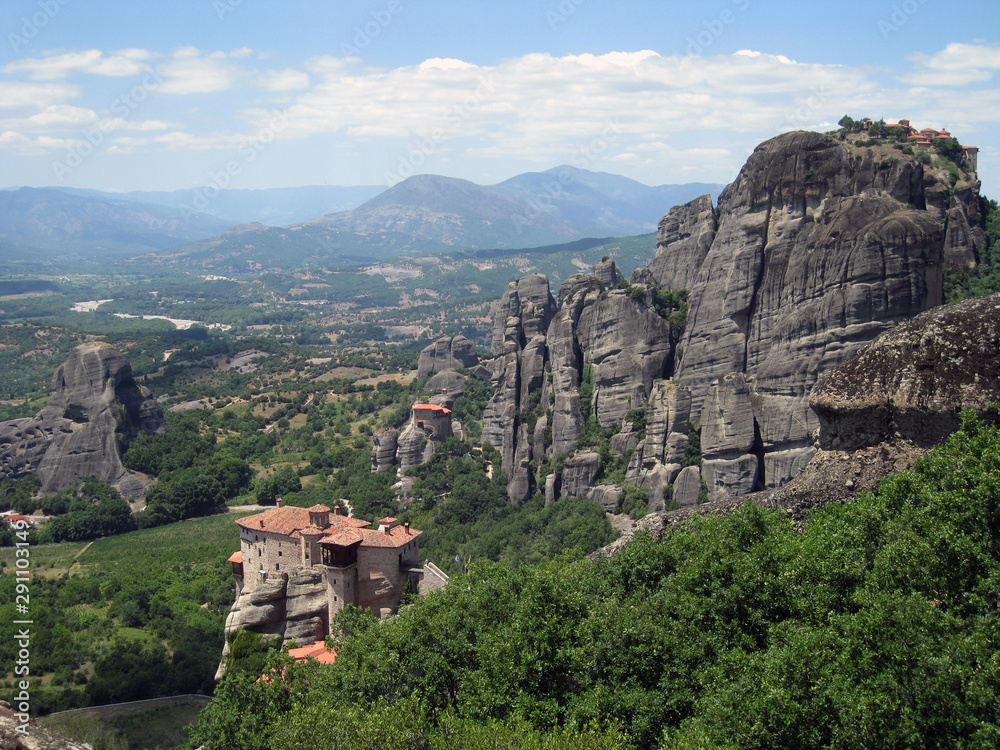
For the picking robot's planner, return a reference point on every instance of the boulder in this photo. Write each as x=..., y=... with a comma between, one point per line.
x=687, y=486
x=912, y=382
x=449, y=353
x=448, y=383
x=607, y=496
x=96, y=409
x=385, y=445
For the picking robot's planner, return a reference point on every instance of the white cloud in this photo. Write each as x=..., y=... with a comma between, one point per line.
x=284, y=80
x=18, y=96
x=686, y=112
x=55, y=67
x=24, y=145
x=956, y=65
x=193, y=72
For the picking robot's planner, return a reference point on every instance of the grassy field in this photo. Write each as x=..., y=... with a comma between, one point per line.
x=194, y=541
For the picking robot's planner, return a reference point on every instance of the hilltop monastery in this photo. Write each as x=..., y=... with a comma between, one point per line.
x=361, y=565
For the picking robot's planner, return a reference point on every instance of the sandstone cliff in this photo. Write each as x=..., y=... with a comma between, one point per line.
x=95, y=410
x=816, y=248
x=414, y=442
x=880, y=410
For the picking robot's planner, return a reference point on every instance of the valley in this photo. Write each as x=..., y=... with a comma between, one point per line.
x=598, y=390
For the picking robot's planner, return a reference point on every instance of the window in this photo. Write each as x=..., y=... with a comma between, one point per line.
x=277, y=567
x=279, y=553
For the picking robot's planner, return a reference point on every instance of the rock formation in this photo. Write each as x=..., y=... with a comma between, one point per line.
x=912, y=381
x=293, y=610
x=818, y=247
x=449, y=353
x=413, y=444
x=95, y=410
x=882, y=409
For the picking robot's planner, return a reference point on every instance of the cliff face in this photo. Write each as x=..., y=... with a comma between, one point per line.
x=95, y=411
x=414, y=443
x=816, y=248
x=881, y=409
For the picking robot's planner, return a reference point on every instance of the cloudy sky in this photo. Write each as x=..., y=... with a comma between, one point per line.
x=155, y=95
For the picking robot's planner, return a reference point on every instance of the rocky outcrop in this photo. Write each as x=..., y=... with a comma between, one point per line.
x=96, y=409
x=449, y=353
x=290, y=609
x=818, y=247
x=413, y=444
x=384, y=448
x=20, y=732
x=683, y=240
x=881, y=410
x=912, y=381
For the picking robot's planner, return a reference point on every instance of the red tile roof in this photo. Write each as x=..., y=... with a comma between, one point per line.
x=290, y=521
x=343, y=537
x=431, y=407
x=236, y=557
x=396, y=537
x=316, y=651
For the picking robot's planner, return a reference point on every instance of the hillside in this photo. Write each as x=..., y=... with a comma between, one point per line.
x=59, y=226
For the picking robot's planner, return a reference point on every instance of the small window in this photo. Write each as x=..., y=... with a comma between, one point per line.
x=277, y=567
x=279, y=553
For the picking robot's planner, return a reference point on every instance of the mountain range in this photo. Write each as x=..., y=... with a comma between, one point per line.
x=233, y=232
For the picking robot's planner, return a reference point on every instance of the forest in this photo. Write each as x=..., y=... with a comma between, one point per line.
x=876, y=625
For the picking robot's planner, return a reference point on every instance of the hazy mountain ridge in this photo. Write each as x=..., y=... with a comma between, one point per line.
x=234, y=231
x=271, y=206
x=55, y=222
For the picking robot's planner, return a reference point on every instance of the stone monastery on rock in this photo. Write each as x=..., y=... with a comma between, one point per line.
x=361, y=565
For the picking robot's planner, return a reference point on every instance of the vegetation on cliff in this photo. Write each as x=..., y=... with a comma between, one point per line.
x=876, y=626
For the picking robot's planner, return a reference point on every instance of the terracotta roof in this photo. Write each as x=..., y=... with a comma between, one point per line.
x=291, y=521
x=396, y=537
x=319, y=509
x=316, y=651
x=311, y=530
x=236, y=557
x=343, y=538
x=277, y=521
x=432, y=407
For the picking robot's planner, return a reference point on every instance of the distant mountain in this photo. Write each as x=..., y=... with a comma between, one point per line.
x=48, y=222
x=598, y=203
x=272, y=206
x=455, y=212
x=434, y=214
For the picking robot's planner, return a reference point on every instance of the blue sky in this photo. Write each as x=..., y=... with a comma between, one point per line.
x=133, y=95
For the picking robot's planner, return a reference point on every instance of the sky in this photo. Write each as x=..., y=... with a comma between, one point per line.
x=124, y=95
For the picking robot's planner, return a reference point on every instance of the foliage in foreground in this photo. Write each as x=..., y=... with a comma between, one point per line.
x=877, y=626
